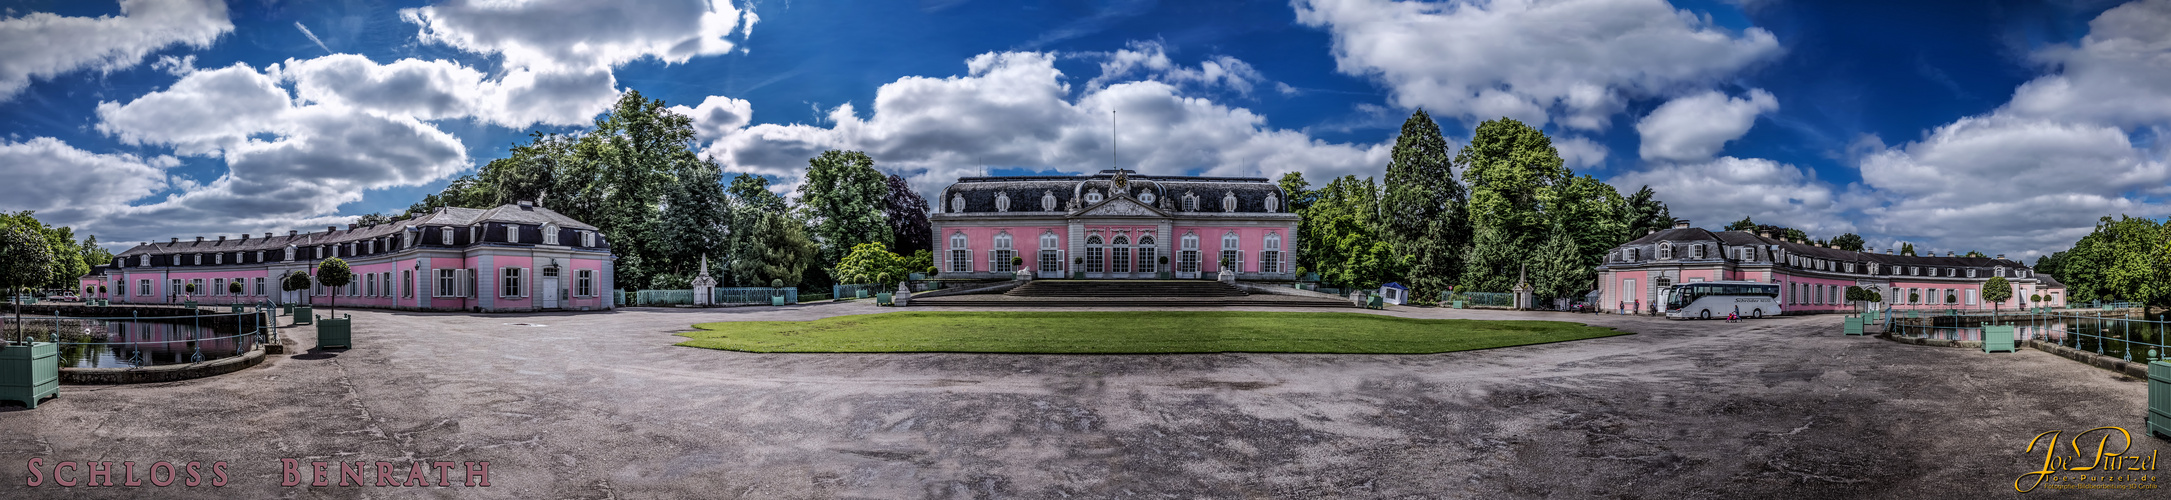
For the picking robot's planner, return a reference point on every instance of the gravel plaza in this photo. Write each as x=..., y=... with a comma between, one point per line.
x=604, y=406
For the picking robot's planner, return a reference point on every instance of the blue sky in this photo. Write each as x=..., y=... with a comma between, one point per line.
x=2004, y=127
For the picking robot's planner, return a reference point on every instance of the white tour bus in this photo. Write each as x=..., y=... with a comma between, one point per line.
x=1716, y=299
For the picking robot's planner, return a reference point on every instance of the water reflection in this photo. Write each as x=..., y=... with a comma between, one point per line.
x=122, y=344
x=2109, y=336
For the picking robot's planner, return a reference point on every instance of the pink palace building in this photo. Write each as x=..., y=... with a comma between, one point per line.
x=1812, y=279
x=1115, y=225
x=516, y=257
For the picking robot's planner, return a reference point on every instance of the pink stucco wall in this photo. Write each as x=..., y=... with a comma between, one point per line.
x=1024, y=242
x=1250, y=241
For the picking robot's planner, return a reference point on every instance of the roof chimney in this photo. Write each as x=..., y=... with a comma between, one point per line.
x=525, y=204
x=331, y=229
x=292, y=233
x=199, y=239
x=244, y=237
x=2001, y=256
x=1681, y=224
x=1888, y=251
x=1765, y=234
x=267, y=235
x=222, y=239
x=350, y=227
x=1869, y=249
x=1948, y=253
x=176, y=241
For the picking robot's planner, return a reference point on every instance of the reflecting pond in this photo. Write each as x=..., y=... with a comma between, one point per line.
x=90, y=343
x=2110, y=336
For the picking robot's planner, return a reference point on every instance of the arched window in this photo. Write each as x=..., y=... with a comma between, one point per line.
x=1002, y=202
x=960, y=254
x=957, y=203
x=1047, y=201
x=1228, y=201
x=1146, y=254
x=1190, y=202
x=1093, y=255
x=999, y=257
x=445, y=235
x=1119, y=255
x=1231, y=258
x=550, y=234
x=1273, y=202
x=1665, y=250
x=1270, y=257
x=1187, y=255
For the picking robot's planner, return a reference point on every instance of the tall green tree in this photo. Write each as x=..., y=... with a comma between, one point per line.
x=1509, y=165
x=1559, y=270
x=873, y=263
x=1849, y=242
x=1422, y=210
x=906, y=211
x=1646, y=214
x=25, y=261
x=1742, y=225
x=843, y=198
x=1907, y=249
x=1301, y=198
x=695, y=221
x=771, y=246
x=1493, y=261
x=1592, y=212
x=1346, y=237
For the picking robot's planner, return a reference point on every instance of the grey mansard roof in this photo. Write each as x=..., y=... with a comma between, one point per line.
x=1681, y=237
x=448, y=216
x=1026, y=193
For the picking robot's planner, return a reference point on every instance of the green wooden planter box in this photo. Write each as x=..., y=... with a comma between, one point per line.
x=236, y=308
x=1998, y=338
x=1077, y=275
x=302, y=314
x=883, y=299
x=286, y=309
x=1375, y=303
x=1163, y=275
x=1461, y=305
x=29, y=372
x=1854, y=325
x=776, y=300
x=2159, y=399
x=335, y=332
x=189, y=304
x=859, y=294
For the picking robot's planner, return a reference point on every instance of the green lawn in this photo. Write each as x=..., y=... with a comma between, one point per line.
x=1132, y=332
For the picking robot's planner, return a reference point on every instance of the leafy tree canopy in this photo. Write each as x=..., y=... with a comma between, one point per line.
x=873, y=263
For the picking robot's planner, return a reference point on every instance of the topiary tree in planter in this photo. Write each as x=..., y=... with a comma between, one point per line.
x=1996, y=291
x=334, y=273
x=233, y=287
x=2035, y=298
x=294, y=281
x=25, y=260
x=1016, y=262
x=101, y=289
x=1914, y=297
x=188, y=292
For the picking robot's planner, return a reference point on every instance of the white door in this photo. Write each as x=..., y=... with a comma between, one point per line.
x=550, y=292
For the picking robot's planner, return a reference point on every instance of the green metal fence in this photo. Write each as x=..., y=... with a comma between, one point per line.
x=2114, y=335
x=753, y=295
x=663, y=298
x=1480, y=298
x=847, y=291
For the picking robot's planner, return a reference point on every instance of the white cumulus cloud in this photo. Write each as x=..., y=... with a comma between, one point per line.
x=549, y=34
x=1013, y=109
x=43, y=44
x=1693, y=128
x=68, y=186
x=1726, y=189
x=1574, y=62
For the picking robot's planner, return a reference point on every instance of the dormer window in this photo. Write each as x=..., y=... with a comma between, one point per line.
x=1093, y=196
x=1228, y=201
x=1665, y=251
x=957, y=203
x=143, y=260
x=1190, y=202
x=1635, y=254
x=1971, y=272
x=446, y=235
x=1002, y=202
x=1145, y=197
x=1047, y=201
x=1273, y=203
x=550, y=234
x=587, y=238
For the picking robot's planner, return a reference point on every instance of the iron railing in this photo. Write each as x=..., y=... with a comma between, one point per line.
x=720, y=296
x=2128, y=335
x=1480, y=298
x=253, y=328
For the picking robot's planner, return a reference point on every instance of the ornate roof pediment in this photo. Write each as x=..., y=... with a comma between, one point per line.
x=1121, y=206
